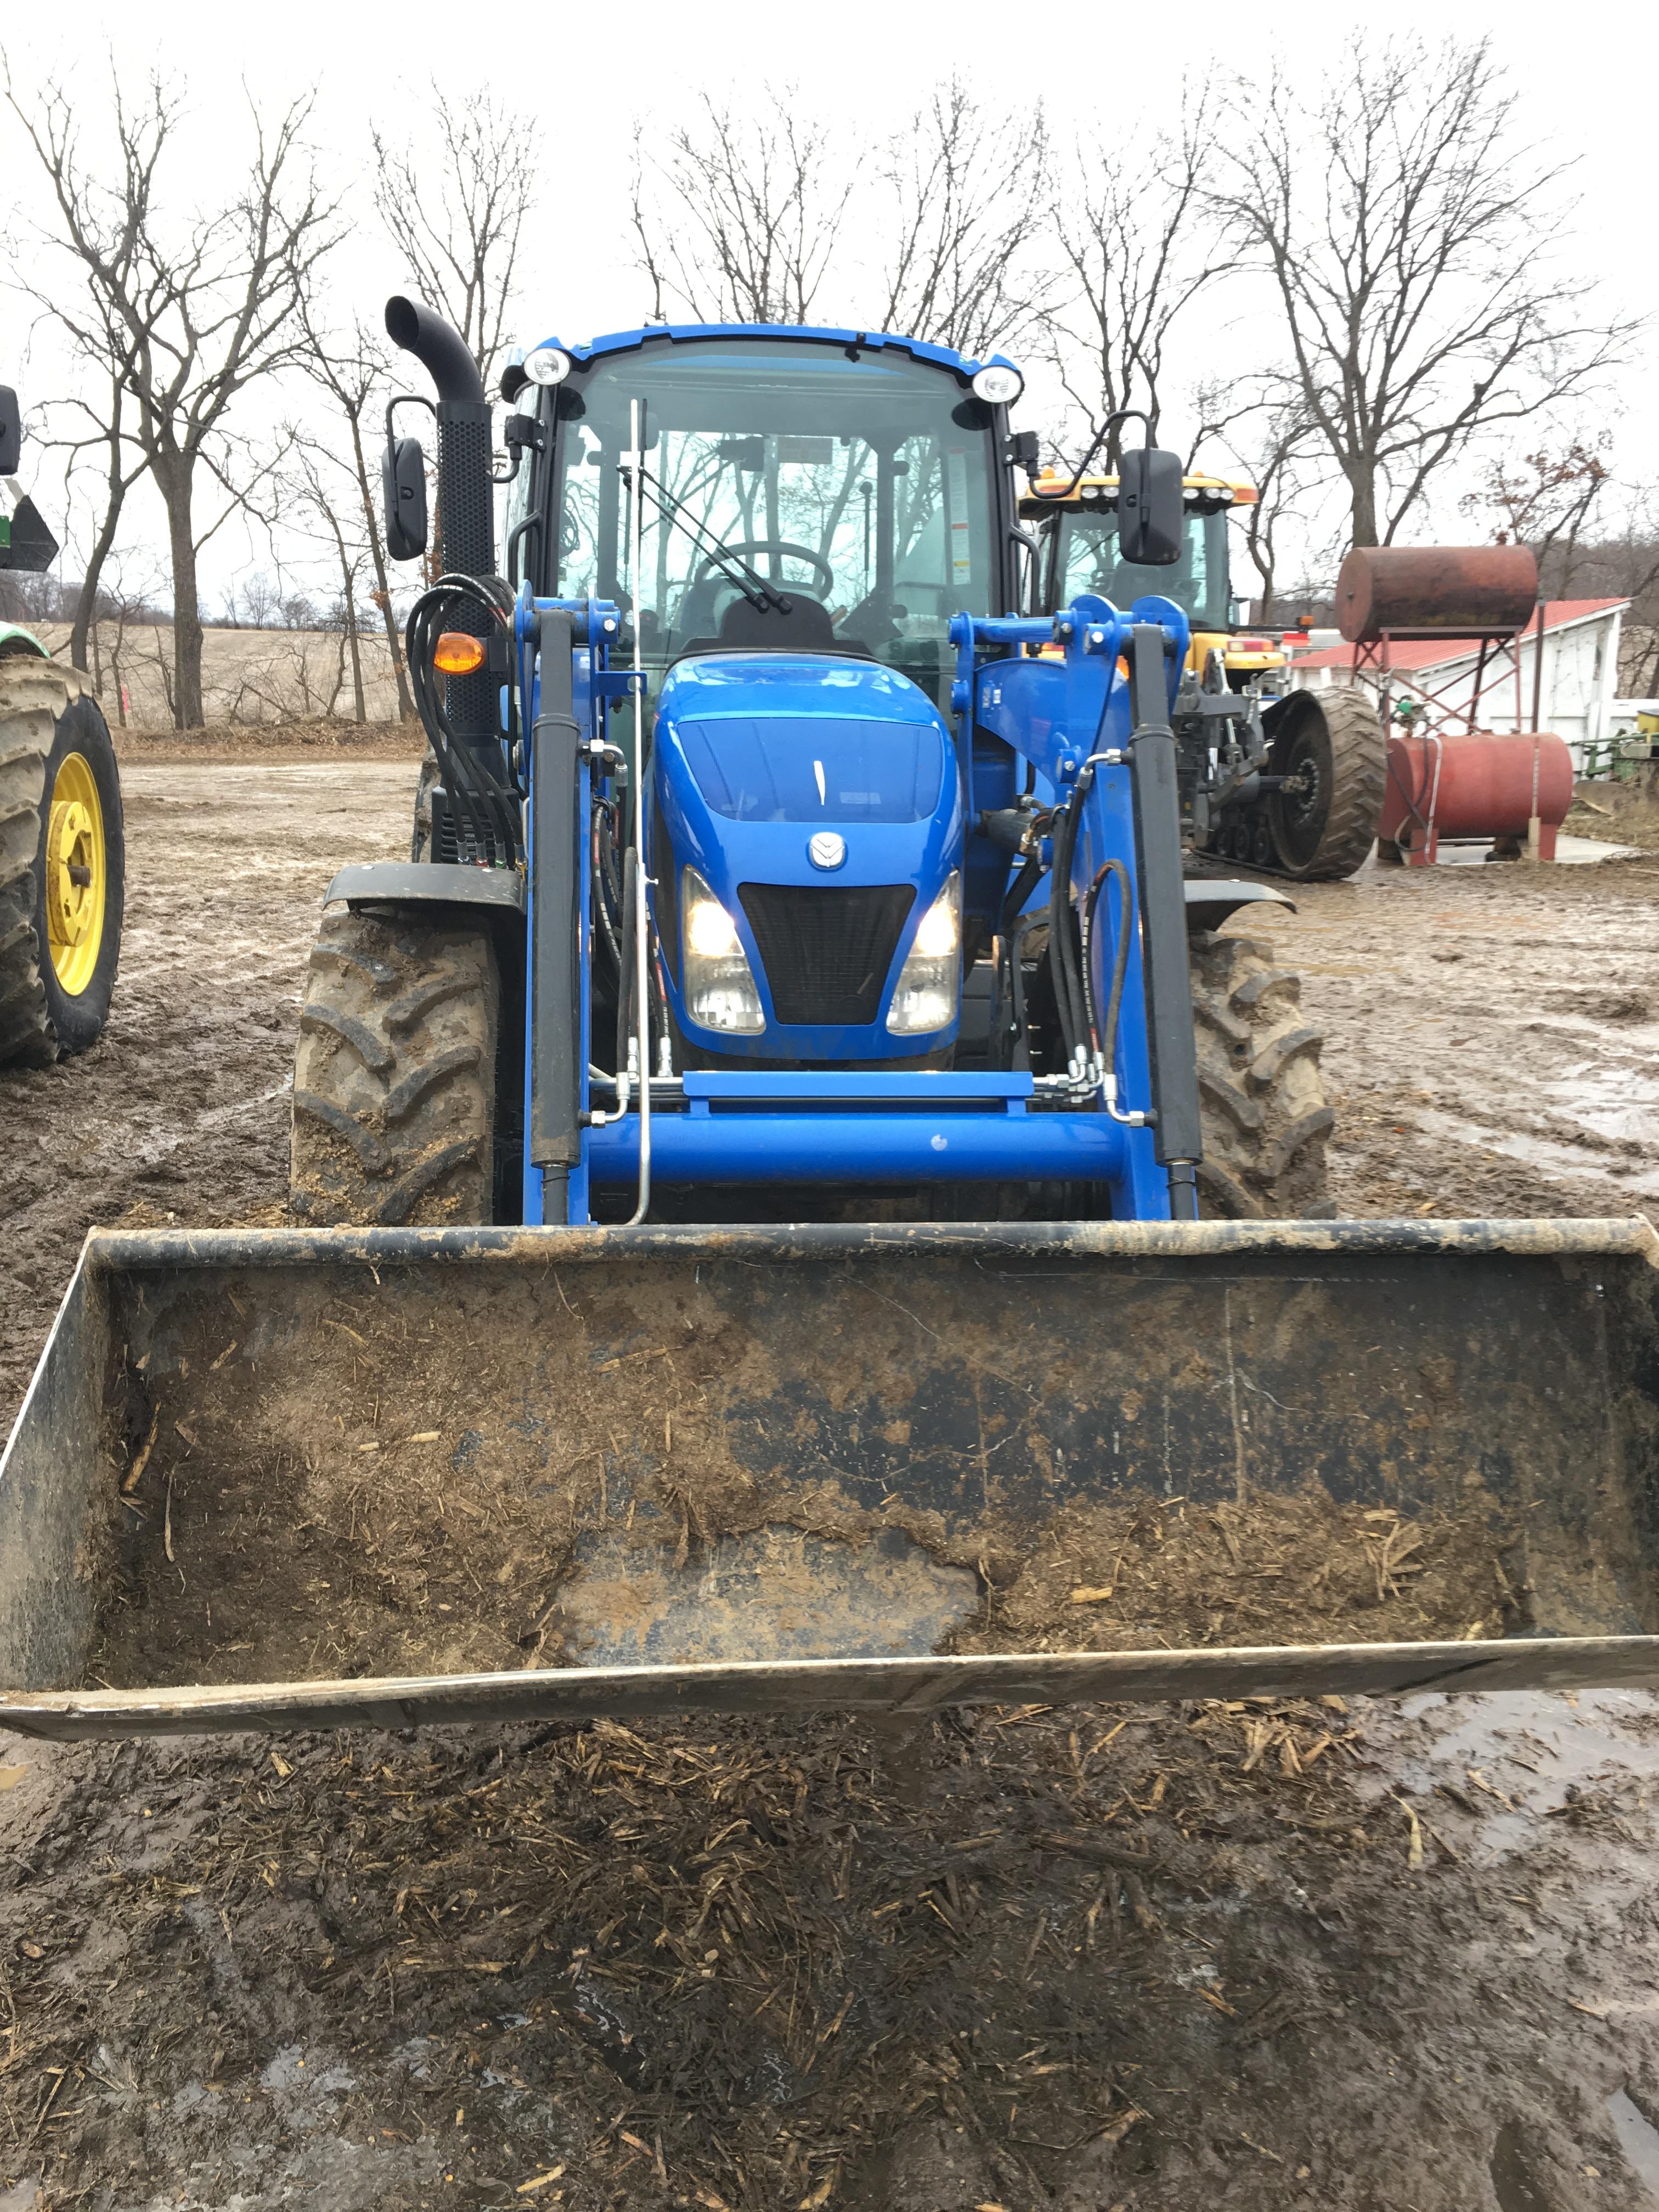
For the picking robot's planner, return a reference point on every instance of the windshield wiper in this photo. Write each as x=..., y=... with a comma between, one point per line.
x=735, y=569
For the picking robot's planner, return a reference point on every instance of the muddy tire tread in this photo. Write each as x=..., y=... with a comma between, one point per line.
x=395, y=1073
x=1265, y=1117
x=25, y=1037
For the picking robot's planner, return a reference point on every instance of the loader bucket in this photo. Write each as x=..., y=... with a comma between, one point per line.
x=274, y=1478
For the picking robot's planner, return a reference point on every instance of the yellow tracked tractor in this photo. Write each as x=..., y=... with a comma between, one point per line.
x=1280, y=778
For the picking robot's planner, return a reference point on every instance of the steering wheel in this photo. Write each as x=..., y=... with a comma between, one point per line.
x=823, y=576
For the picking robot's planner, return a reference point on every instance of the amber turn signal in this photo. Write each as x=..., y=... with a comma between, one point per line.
x=458, y=654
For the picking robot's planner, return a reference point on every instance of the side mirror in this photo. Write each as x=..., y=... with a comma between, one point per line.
x=11, y=431
x=403, y=493
x=1150, y=522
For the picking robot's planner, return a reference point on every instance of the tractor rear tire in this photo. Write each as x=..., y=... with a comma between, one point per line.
x=60, y=808
x=394, y=1078
x=1261, y=1095
x=1337, y=737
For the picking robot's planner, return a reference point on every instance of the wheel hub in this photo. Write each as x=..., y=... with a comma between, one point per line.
x=74, y=884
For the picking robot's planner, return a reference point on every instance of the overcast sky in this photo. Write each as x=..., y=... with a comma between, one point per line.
x=590, y=79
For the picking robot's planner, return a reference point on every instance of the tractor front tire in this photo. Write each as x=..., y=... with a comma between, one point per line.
x=1325, y=824
x=1261, y=1096
x=62, y=866
x=394, y=1078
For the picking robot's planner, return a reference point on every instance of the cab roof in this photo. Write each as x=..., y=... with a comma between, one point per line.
x=966, y=366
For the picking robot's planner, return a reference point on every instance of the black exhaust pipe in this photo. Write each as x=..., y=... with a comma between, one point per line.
x=466, y=510
x=439, y=347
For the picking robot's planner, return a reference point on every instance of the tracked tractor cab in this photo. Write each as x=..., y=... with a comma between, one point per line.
x=1077, y=528
x=1285, y=779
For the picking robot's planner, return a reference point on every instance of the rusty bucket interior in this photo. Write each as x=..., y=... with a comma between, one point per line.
x=273, y=1478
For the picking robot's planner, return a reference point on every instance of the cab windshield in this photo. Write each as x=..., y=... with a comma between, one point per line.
x=1084, y=558
x=859, y=490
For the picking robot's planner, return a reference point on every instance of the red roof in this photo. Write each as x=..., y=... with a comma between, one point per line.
x=1432, y=651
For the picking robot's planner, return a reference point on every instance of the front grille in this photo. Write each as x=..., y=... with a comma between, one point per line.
x=826, y=952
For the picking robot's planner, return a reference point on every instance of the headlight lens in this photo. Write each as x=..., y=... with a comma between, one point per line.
x=999, y=386
x=930, y=982
x=547, y=365
x=720, y=984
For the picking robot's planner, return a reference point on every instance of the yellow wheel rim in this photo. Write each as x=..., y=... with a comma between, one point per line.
x=78, y=875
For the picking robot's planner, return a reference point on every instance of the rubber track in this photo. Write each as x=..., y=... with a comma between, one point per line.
x=394, y=1076
x=1359, y=774
x=1262, y=1097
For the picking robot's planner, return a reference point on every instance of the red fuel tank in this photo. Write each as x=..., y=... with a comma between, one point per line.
x=1478, y=785
x=1435, y=591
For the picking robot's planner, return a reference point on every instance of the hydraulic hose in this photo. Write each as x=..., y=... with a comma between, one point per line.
x=1025, y=883
x=1106, y=1039
x=483, y=798
x=1064, y=950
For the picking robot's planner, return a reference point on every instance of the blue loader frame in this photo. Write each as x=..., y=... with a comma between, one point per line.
x=1079, y=717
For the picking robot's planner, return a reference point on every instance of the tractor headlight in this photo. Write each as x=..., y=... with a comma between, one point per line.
x=720, y=984
x=998, y=386
x=547, y=365
x=930, y=982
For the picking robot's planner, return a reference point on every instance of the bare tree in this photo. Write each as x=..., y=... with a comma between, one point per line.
x=119, y=607
x=318, y=493
x=120, y=465
x=962, y=192
x=353, y=372
x=199, y=313
x=1544, y=499
x=1141, y=243
x=121, y=471
x=1269, y=437
x=254, y=602
x=458, y=231
x=1399, y=224
x=737, y=219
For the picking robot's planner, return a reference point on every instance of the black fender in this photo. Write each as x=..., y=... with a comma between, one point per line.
x=429, y=883
x=1209, y=901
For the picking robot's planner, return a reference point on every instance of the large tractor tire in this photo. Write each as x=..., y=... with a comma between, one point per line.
x=395, y=1076
x=1333, y=746
x=1265, y=1118
x=62, y=866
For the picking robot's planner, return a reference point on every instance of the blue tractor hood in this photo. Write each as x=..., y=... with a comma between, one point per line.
x=819, y=798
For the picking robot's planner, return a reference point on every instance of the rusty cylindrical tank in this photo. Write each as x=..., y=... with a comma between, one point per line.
x=1435, y=591
x=1477, y=785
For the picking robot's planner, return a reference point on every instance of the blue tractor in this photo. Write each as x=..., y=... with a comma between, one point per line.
x=771, y=863
x=748, y=1157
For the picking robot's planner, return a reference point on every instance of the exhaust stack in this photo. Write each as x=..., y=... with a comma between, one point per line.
x=466, y=514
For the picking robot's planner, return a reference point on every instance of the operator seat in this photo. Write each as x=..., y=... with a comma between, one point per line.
x=745, y=628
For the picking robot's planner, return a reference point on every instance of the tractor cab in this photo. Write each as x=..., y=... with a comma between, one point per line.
x=831, y=493
x=1079, y=539
x=809, y=513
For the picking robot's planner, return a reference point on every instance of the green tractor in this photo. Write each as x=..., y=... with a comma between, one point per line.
x=62, y=851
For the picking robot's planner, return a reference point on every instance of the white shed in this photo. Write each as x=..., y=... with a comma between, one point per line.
x=1580, y=673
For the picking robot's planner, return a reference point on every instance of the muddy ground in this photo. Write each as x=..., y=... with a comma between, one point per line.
x=1378, y=1959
